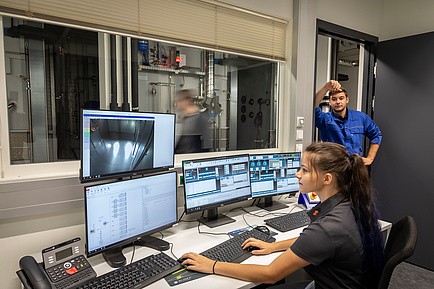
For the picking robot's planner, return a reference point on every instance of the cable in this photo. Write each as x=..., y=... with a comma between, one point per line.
x=134, y=251
x=298, y=205
x=164, y=49
x=182, y=215
x=245, y=221
x=209, y=233
x=171, y=251
x=262, y=216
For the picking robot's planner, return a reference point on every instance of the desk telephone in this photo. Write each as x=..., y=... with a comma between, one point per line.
x=63, y=267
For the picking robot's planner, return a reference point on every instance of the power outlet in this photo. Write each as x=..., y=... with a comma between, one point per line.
x=299, y=135
x=299, y=147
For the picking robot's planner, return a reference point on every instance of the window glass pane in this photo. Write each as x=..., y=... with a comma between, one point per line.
x=51, y=73
x=222, y=101
x=234, y=95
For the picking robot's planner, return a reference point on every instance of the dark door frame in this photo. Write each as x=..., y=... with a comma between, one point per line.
x=370, y=43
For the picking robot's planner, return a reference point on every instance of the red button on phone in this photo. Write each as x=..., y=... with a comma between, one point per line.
x=71, y=271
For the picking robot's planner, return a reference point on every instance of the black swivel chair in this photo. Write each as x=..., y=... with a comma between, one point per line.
x=400, y=245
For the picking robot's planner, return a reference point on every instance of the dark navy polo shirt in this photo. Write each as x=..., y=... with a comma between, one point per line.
x=332, y=244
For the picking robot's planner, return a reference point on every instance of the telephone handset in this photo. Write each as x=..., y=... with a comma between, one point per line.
x=64, y=266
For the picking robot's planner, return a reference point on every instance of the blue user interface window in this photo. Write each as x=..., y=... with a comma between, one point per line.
x=274, y=174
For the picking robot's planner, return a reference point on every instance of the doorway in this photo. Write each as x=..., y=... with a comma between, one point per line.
x=350, y=57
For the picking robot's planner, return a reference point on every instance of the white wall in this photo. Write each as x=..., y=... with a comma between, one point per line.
x=405, y=18
x=361, y=15
x=386, y=19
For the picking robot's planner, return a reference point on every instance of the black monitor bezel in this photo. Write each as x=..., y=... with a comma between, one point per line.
x=277, y=193
x=125, y=173
x=136, y=237
x=219, y=204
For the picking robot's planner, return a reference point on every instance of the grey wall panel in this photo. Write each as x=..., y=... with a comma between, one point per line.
x=403, y=170
x=42, y=196
x=29, y=198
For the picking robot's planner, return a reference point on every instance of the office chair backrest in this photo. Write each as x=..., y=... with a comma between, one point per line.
x=400, y=245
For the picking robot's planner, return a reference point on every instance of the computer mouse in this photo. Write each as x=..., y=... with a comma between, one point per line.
x=180, y=260
x=263, y=229
x=251, y=248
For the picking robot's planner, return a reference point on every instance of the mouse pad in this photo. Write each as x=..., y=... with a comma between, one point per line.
x=182, y=276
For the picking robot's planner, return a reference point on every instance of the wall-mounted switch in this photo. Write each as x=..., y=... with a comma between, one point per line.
x=300, y=121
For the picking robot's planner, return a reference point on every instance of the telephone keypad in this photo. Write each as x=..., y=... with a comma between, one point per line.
x=68, y=268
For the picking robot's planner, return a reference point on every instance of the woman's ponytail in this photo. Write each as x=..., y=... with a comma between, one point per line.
x=362, y=201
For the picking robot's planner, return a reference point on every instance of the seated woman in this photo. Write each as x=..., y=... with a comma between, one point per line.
x=343, y=245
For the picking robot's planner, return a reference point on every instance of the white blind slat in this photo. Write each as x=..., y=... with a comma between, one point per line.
x=204, y=23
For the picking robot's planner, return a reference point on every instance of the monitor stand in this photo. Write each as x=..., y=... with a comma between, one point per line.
x=269, y=205
x=114, y=257
x=153, y=243
x=213, y=219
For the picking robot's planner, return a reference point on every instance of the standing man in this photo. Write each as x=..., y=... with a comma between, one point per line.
x=195, y=133
x=344, y=126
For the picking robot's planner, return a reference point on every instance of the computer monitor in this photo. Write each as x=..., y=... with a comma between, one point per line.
x=213, y=182
x=274, y=174
x=121, y=212
x=119, y=143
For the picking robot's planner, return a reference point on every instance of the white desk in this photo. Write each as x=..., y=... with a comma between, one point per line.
x=186, y=238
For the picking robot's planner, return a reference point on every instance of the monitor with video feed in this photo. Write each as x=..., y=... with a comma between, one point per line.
x=274, y=174
x=126, y=211
x=118, y=143
x=214, y=182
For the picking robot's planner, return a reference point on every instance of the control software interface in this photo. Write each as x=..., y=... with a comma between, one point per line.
x=273, y=174
x=123, y=210
x=116, y=142
x=212, y=182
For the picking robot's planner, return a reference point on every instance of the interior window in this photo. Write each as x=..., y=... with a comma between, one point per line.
x=53, y=71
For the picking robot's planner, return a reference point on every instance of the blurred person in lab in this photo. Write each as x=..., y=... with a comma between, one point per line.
x=195, y=135
x=345, y=126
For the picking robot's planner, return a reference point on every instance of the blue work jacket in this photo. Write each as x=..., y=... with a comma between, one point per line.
x=348, y=132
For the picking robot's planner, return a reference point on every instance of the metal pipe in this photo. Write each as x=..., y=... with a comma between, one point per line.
x=125, y=104
x=210, y=75
x=113, y=103
x=29, y=100
x=134, y=74
x=161, y=84
x=170, y=94
x=208, y=102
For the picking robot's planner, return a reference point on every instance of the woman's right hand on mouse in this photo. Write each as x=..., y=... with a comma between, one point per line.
x=264, y=247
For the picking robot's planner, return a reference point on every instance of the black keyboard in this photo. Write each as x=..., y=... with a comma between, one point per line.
x=289, y=221
x=231, y=250
x=137, y=274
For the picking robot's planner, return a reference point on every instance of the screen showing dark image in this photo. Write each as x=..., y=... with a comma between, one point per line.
x=120, y=143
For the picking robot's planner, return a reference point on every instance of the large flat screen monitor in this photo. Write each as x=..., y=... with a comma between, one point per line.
x=122, y=212
x=213, y=182
x=118, y=143
x=274, y=174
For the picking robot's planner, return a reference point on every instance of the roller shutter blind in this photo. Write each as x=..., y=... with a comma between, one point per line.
x=203, y=23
